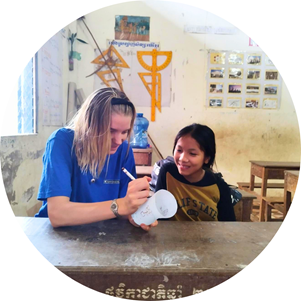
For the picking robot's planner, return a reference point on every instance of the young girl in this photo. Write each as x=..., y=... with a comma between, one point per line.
x=82, y=180
x=201, y=195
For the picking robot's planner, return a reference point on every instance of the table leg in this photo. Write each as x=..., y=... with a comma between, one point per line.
x=287, y=195
x=263, y=193
x=268, y=212
x=287, y=201
x=252, y=181
x=247, y=207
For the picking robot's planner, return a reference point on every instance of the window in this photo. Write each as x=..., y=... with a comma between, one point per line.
x=20, y=114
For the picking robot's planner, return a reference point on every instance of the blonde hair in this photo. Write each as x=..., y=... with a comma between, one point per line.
x=91, y=125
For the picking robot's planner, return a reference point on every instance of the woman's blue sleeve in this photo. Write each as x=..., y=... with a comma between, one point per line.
x=57, y=169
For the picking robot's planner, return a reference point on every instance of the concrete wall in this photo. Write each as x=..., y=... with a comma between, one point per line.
x=241, y=135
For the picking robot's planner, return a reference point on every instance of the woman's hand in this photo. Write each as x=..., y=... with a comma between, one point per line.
x=143, y=226
x=137, y=194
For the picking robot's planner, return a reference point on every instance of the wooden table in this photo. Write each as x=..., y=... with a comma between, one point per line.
x=268, y=170
x=173, y=260
x=290, y=185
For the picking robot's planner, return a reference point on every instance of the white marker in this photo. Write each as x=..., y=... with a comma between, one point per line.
x=128, y=174
x=132, y=178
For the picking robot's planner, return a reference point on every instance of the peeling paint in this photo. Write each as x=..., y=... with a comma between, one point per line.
x=9, y=166
x=27, y=195
x=36, y=155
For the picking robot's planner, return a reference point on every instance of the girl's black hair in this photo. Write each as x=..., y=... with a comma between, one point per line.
x=204, y=136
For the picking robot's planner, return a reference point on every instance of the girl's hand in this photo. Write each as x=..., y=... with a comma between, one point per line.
x=143, y=226
x=137, y=194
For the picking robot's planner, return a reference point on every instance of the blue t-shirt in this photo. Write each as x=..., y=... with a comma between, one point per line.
x=62, y=175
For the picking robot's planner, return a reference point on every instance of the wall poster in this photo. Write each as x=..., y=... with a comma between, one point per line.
x=238, y=79
x=132, y=28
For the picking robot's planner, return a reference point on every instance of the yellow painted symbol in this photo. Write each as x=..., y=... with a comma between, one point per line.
x=110, y=60
x=120, y=62
x=154, y=86
x=102, y=75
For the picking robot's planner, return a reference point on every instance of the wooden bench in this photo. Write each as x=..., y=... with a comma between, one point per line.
x=243, y=209
x=144, y=171
x=255, y=204
x=290, y=184
x=270, y=203
x=246, y=185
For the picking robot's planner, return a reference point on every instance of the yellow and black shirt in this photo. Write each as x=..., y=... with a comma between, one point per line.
x=206, y=200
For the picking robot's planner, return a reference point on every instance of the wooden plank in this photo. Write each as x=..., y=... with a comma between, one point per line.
x=252, y=192
x=274, y=199
x=144, y=171
x=270, y=203
x=279, y=207
x=290, y=180
x=277, y=164
x=293, y=172
x=243, y=208
x=256, y=170
x=243, y=185
x=143, y=156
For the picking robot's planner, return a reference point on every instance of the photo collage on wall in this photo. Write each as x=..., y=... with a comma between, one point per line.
x=242, y=80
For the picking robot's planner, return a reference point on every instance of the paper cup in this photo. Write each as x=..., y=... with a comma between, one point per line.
x=161, y=205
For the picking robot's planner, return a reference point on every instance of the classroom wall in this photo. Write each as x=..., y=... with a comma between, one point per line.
x=241, y=135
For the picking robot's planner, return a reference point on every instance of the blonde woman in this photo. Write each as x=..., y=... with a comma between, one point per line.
x=82, y=179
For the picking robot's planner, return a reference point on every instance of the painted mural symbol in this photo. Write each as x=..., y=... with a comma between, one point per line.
x=112, y=59
x=154, y=86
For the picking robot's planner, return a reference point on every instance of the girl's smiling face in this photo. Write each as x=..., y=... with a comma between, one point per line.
x=189, y=159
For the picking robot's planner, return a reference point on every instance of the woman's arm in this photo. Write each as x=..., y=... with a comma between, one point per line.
x=62, y=212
